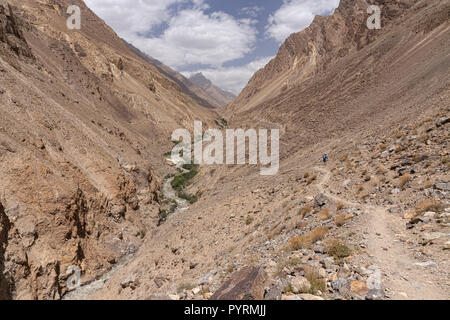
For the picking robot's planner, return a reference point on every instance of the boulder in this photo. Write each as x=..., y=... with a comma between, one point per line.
x=310, y=297
x=442, y=186
x=441, y=121
x=245, y=284
x=359, y=287
x=320, y=200
x=300, y=284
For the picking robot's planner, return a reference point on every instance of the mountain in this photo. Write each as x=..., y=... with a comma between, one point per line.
x=189, y=88
x=85, y=121
x=316, y=49
x=377, y=102
x=220, y=97
x=85, y=188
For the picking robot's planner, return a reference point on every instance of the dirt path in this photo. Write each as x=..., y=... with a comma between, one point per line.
x=400, y=275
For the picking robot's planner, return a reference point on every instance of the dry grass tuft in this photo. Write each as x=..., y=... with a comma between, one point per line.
x=403, y=181
x=341, y=219
x=340, y=206
x=305, y=211
x=324, y=214
x=338, y=250
x=428, y=205
x=306, y=240
x=311, y=179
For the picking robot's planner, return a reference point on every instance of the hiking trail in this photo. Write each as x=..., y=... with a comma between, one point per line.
x=401, y=278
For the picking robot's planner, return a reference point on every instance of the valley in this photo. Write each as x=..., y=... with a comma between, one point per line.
x=86, y=179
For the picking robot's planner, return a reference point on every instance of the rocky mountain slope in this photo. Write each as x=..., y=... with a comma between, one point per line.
x=371, y=224
x=84, y=123
x=220, y=97
x=314, y=50
x=188, y=87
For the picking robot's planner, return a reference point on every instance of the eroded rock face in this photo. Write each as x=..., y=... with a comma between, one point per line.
x=5, y=225
x=78, y=152
x=11, y=35
x=245, y=284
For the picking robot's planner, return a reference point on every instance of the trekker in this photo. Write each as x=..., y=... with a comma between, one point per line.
x=325, y=158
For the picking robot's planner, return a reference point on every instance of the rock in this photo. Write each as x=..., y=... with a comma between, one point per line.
x=395, y=191
x=430, y=214
x=384, y=154
x=428, y=264
x=196, y=291
x=442, y=186
x=245, y=284
x=174, y=297
x=441, y=121
x=327, y=262
x=319, y=249
x=433, y=236
x=346, y=183
x=290, y=297
x=159, y=297
x=131, y=282
x=274, y=293
x=338, y=284
x=409, y=215
x=300, y=284
x=375, y=294
x=320, y=200
x=413, y=222
x=159, y=281
x=359, y=287
x=322, y=273
x=310, y=297
x=207, y=295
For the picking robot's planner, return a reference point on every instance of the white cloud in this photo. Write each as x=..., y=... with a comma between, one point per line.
x=188, y=36
x=130, y=18
x=232, y=79
x=296, y=15
x=194, y=37
x=252, y=12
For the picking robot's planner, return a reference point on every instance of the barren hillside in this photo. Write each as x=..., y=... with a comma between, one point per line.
x=85, y=123
x=220, y=97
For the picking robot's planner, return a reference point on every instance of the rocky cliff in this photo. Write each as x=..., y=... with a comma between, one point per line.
x=84, y=124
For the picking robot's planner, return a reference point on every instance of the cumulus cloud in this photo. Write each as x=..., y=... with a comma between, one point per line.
x=194, y=37
x=232, y=79
x=181, y=34
x=140, y=17
x=296, y=15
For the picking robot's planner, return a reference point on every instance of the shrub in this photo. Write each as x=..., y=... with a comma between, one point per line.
x=306, y=240
x=185, y=286
x=181, y=180
x=249, y=220
x=428, y=205
x=338, y=250
x=311, y=179
x=304, y=211
x=404, y=180
x=191, y=198
x=341, y=219
x=324, y=214
x=317, y=284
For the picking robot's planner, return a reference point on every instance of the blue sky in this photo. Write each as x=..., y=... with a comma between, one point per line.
x=226, y=40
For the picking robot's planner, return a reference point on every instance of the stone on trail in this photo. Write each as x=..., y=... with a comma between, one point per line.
x=245, y=284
